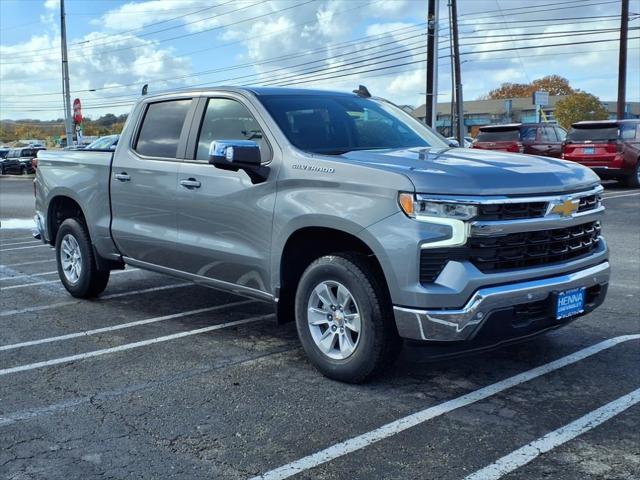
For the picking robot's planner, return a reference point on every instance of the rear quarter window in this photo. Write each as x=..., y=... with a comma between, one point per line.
x=161, y=128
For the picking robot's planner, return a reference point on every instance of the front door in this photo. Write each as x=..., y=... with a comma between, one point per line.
x=225, y=221
x=143, y=184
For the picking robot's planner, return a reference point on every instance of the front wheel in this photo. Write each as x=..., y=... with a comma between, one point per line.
x=76, y=263
x=344, y=318
x=633, y=180
x=23, y=170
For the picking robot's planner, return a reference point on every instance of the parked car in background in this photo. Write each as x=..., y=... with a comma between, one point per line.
x=610, y=147
x=20, y=161
x=467, y=141
x=532, y=138
x=108, y=142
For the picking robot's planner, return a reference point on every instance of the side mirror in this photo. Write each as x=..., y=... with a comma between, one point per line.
x=237, y=155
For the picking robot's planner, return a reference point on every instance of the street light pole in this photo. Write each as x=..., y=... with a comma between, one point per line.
x=65, y=77
x=458, y=88
x=622, y=59
x=432, y=64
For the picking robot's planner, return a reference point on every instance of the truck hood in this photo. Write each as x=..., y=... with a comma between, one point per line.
x=465, y=171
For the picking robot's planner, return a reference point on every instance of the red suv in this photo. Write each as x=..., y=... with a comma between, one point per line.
x=610, y=147
x=532, y=138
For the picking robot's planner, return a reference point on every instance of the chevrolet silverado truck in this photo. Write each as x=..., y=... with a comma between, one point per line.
x=358, y=222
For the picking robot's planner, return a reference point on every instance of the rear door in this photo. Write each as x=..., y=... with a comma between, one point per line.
x=143, y=183
x=225, y=221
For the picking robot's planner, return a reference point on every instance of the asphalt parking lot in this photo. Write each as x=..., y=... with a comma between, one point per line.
x=162, y=379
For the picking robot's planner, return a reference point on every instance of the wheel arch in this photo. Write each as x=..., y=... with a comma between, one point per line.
x=308, y=243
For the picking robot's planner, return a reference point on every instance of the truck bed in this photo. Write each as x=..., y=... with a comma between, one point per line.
x=82, y=175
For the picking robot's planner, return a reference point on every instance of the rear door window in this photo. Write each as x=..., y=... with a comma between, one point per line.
x=628, y=132
x=161, y=128
x=494, y=135
x=548, y=135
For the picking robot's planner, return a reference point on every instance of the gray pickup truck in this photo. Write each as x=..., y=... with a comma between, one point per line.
x=358, y=222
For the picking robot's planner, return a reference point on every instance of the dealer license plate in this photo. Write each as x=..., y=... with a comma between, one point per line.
x=570, y=303
x=588, y=150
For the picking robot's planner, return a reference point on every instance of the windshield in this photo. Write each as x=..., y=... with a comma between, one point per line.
x=511, y=135
x=581, y=134
x=103, y=143
x=336, y=124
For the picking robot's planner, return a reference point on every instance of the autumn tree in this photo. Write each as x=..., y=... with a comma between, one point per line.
x=579, y=106
x=554, y=84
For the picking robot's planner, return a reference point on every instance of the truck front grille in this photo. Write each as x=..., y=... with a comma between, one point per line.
x=531, y=249
x=511, y=211
x=514, y=251
x=522, y=210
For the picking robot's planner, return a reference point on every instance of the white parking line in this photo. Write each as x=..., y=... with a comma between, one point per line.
x=618, y=196
x=45, y=282
x=404, y=423
x=130, y=346
x=24, y=248
x=29, y=263
x=2, y=244
x=29, y=275
x=40, y=308
x=551, y=440
x=121, y=326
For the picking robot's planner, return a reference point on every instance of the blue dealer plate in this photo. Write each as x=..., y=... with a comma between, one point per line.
x=588, y=150
x=570, y=303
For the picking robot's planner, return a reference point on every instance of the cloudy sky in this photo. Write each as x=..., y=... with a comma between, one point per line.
x=116, y=46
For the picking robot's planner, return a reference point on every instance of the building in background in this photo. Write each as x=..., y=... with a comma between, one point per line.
x=478, y=113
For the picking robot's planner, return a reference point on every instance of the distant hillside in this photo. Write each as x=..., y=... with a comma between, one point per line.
x=12, y=130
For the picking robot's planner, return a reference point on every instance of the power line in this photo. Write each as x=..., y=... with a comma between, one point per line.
x=359, y=51
x=315, y=77
x=190, y=34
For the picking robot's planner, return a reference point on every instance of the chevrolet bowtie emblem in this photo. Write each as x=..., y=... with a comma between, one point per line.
x=566, y=208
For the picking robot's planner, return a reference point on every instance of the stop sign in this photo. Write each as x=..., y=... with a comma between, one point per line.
x=77, y=111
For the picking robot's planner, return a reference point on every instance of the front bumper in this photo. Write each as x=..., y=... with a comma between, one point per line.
x=450, y=325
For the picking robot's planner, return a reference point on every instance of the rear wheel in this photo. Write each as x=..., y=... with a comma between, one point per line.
x=344, y=318
x=76, y=261
x=633, y=180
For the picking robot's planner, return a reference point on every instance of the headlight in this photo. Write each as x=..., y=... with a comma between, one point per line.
x=453, y=215
x=415, y=208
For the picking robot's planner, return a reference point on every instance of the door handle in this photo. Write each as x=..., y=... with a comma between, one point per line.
x=123, y=177
x=190, y=183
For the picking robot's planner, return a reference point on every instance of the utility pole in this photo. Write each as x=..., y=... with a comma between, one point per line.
x=65, y=77
x=432, y=64
x=622, y=59
x=456, y=66
x=452, y=107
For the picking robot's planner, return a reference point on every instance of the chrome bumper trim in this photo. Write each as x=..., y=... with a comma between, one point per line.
x=460, y=324
x=478, y=229
x=500, y=199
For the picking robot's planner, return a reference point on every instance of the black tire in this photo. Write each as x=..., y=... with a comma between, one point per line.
x=23, y=170
x=633, y=180
x=90, y=281
x=378, y=343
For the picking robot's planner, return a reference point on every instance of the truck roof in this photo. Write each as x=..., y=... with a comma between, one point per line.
x=604, y=123
x=258, y=91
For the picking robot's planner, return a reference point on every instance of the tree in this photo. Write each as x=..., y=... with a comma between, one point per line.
x=554, y=84
x=509, y=90
x=579, y=106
